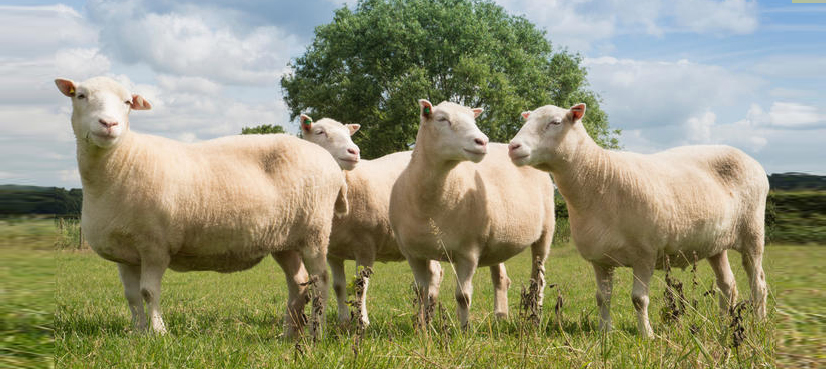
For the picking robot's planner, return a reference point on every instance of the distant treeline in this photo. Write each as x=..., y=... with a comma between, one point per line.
x=33, y=200
x=797, y=182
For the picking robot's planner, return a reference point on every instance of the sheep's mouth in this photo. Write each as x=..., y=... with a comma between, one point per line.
x=105, y=136
x=475, y=152
x=349, y=160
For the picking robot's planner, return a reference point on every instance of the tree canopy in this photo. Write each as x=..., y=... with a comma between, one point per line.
x=262, y=129
x=372, y=63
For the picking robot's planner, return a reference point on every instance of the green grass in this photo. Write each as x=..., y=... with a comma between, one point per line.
x=233, y=320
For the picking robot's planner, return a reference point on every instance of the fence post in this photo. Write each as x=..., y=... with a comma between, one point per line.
x=80, y=237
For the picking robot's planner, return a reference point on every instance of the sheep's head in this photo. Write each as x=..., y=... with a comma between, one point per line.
x=451, y=131
x=100, y=109
x=545, y=138
x=333, y=137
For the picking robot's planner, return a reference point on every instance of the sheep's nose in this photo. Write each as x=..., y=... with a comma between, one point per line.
x=481, y=141
x=514, y=145
x=353, y=151
x=108, y=123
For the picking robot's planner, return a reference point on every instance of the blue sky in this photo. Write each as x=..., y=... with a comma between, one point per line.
x=751, y=74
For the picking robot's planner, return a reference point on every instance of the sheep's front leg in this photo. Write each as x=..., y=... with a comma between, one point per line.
x=428, y=275
x=605, y=282
x=725, y=280
x=464, y=288
x=339, y=287
x=501, y=283
x=293, y=267
x=639, y=297
x=130, y=276
x=152, y=270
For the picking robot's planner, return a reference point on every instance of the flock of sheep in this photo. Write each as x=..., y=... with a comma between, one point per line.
x=151, y=203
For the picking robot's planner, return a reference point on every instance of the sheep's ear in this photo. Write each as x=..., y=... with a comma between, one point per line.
x=577, y=112
x=139, y=103
x=306, y=122
x=353, y=128
x=427, y=108
x=526, y=114
x=66, y=86
x=477, y=111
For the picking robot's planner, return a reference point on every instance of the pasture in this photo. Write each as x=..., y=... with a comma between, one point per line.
x=233, y=320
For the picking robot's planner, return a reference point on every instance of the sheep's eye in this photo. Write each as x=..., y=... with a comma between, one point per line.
x=127, y=102
x=320, y=132
x=444, y=120
x=81, y=96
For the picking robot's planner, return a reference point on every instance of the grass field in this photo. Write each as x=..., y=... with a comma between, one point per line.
x=233, y=320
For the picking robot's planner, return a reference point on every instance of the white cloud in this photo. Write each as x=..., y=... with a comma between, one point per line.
x=654, y=93
x=807, y=67
x=196, y=43
x=580, y=24
x=699, y=128
x=787, y=115
x=69, y=175
x=27, y=31
x=81, y=63
x=709, y=16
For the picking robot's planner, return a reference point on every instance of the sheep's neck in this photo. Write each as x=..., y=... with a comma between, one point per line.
x=100, y=167
x=431, y=178
x=586, y=172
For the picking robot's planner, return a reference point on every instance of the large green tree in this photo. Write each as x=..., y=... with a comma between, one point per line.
x=372, y=63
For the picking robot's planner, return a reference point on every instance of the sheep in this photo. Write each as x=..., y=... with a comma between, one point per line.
x=461, y=200
x=643, y=211
x=151, y=203
x=364, y=234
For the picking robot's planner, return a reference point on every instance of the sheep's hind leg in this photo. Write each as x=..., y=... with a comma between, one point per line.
x=296, y=275
x=316, y=263
x=753, y=263
x=130, y=276
x=605, y=282
x=501, y=283
x=725, y=280
x=639, y=297
x=367, y=263
x=340, y=287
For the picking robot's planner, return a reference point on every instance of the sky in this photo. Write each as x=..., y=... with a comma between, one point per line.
x=750, y=74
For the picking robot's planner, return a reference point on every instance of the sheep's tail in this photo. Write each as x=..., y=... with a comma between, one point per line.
x=342, y=206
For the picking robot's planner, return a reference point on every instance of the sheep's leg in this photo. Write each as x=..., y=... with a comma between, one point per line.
x=753, y=263
x=725, y=280
x=464, y=288
x=639, y=297
x=501, y=283
x=340, y=287
x=316, y=264
x=539, y=252
x=290, y=262
x=152, y=270
x=367, y=263
x=605, y=282
x=428, y=275
x=130, y=276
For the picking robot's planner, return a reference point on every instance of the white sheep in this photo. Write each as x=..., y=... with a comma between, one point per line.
x=364, y=234
x=461, y=200
x=150, y=203
x=628, y=209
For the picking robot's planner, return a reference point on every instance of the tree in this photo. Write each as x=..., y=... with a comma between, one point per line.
x=372, y=63
x=262, y=129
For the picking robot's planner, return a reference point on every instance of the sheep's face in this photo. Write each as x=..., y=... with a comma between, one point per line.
x=333, y=137
x=544, y=137
x=101, y=108
x=452, y=131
